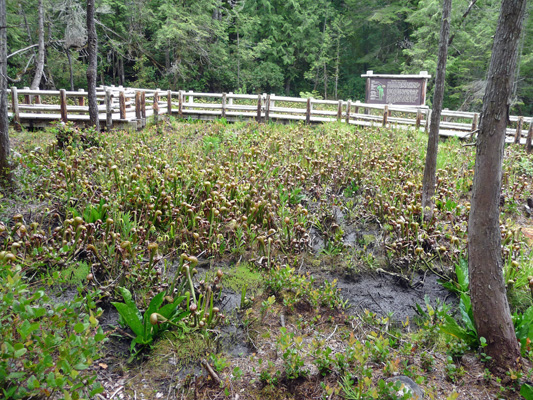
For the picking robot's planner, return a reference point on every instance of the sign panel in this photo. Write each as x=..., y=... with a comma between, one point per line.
x=408, y=90
x=401, y=91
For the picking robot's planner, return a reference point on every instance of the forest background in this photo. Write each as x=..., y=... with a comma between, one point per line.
x=293, y=47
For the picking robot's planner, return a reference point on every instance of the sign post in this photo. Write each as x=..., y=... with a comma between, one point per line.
x=408, y=90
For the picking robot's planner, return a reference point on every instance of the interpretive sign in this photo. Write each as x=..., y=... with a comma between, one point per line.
x=409, y=90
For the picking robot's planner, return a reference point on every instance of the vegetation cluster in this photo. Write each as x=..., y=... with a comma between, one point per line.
x=153, y=223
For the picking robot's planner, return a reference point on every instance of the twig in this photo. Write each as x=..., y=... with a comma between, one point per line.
x=116, y=391
x=334, y=330
x=211, y=371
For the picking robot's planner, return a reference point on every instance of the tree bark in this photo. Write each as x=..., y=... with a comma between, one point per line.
x=71, y=72
x=39, y=62
x=4, y=122
x=430, y=169
x=487, y=289
x=91, y=69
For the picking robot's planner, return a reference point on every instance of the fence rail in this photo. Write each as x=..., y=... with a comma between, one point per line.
x=121, y=107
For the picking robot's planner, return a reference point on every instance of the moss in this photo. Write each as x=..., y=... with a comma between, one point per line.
x=244, y=275
x=169, y=356
x=76, y=273
x=368, y=239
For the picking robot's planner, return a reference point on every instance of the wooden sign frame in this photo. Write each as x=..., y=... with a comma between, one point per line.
x=407, y=90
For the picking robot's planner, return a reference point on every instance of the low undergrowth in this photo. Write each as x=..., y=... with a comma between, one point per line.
x=144, y=220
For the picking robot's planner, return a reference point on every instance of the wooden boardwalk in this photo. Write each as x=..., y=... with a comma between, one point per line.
x=128, y=108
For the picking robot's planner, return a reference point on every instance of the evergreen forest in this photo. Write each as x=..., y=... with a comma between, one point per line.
x=303, y=47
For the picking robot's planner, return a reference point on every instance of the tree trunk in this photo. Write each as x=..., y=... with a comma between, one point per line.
x=92, y=42
x=337, y=62
x=489, y=301
x=121, y=71
x=71, y=76
x=430, y=169
x=39, y=62
x=4, y=122
x=113, y=68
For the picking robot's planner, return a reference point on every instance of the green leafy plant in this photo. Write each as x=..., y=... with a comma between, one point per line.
x=291, y=349
x=46, y=348
x=461, y=272
x=523, y=324
x=146, y=327
x=527, y=391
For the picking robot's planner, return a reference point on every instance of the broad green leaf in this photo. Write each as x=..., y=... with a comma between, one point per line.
x=152, y=308
x=98, y=388
x=33, y=382
x=130, y=315
x=99, y=337
x=20, y=350
x=79, y=327
x=81, y=366
x=451, y=327
x=26, y=328
x=461, y=270
x=527, y=391
x=126, y=295
x=15, y=375
x=466, y=312
x=169, y=309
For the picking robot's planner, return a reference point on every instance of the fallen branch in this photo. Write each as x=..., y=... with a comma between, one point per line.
x=211, y=371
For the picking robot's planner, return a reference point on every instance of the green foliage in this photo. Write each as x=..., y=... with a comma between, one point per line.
x=461, y=272
x=146, y=328
x=46, y=347
x=290, y=347
x=292, y=287
x=70, y=135
x=527, y=391
x=523, y=324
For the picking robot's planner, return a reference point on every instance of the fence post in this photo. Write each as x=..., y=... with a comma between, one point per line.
x=27, y=96
x=385, y=115
x=137, y=105
x=122, y=104
x=339, y=111
x=223, y=105
x=180, y=104
x=444, y=116
x=38, y=98
x=529, y=137
x=518, y=134
x=230, y=100
x=169, y=103
x=108, y=109
x=191, y=99
x=348, y=107
x=155, y=107
x=63, y=103
x=15, y=107
x=474, y=122
x=308, y=112
x=81, y=99
x=428, y=117
x=258, y=117
x=267, y=108
x=418, y=119
x=143, y=108
x=356, y=108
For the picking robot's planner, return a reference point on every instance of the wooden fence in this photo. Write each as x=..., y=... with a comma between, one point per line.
x=130, y=108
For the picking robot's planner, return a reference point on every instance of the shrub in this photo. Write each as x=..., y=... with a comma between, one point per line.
x=46, y=348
